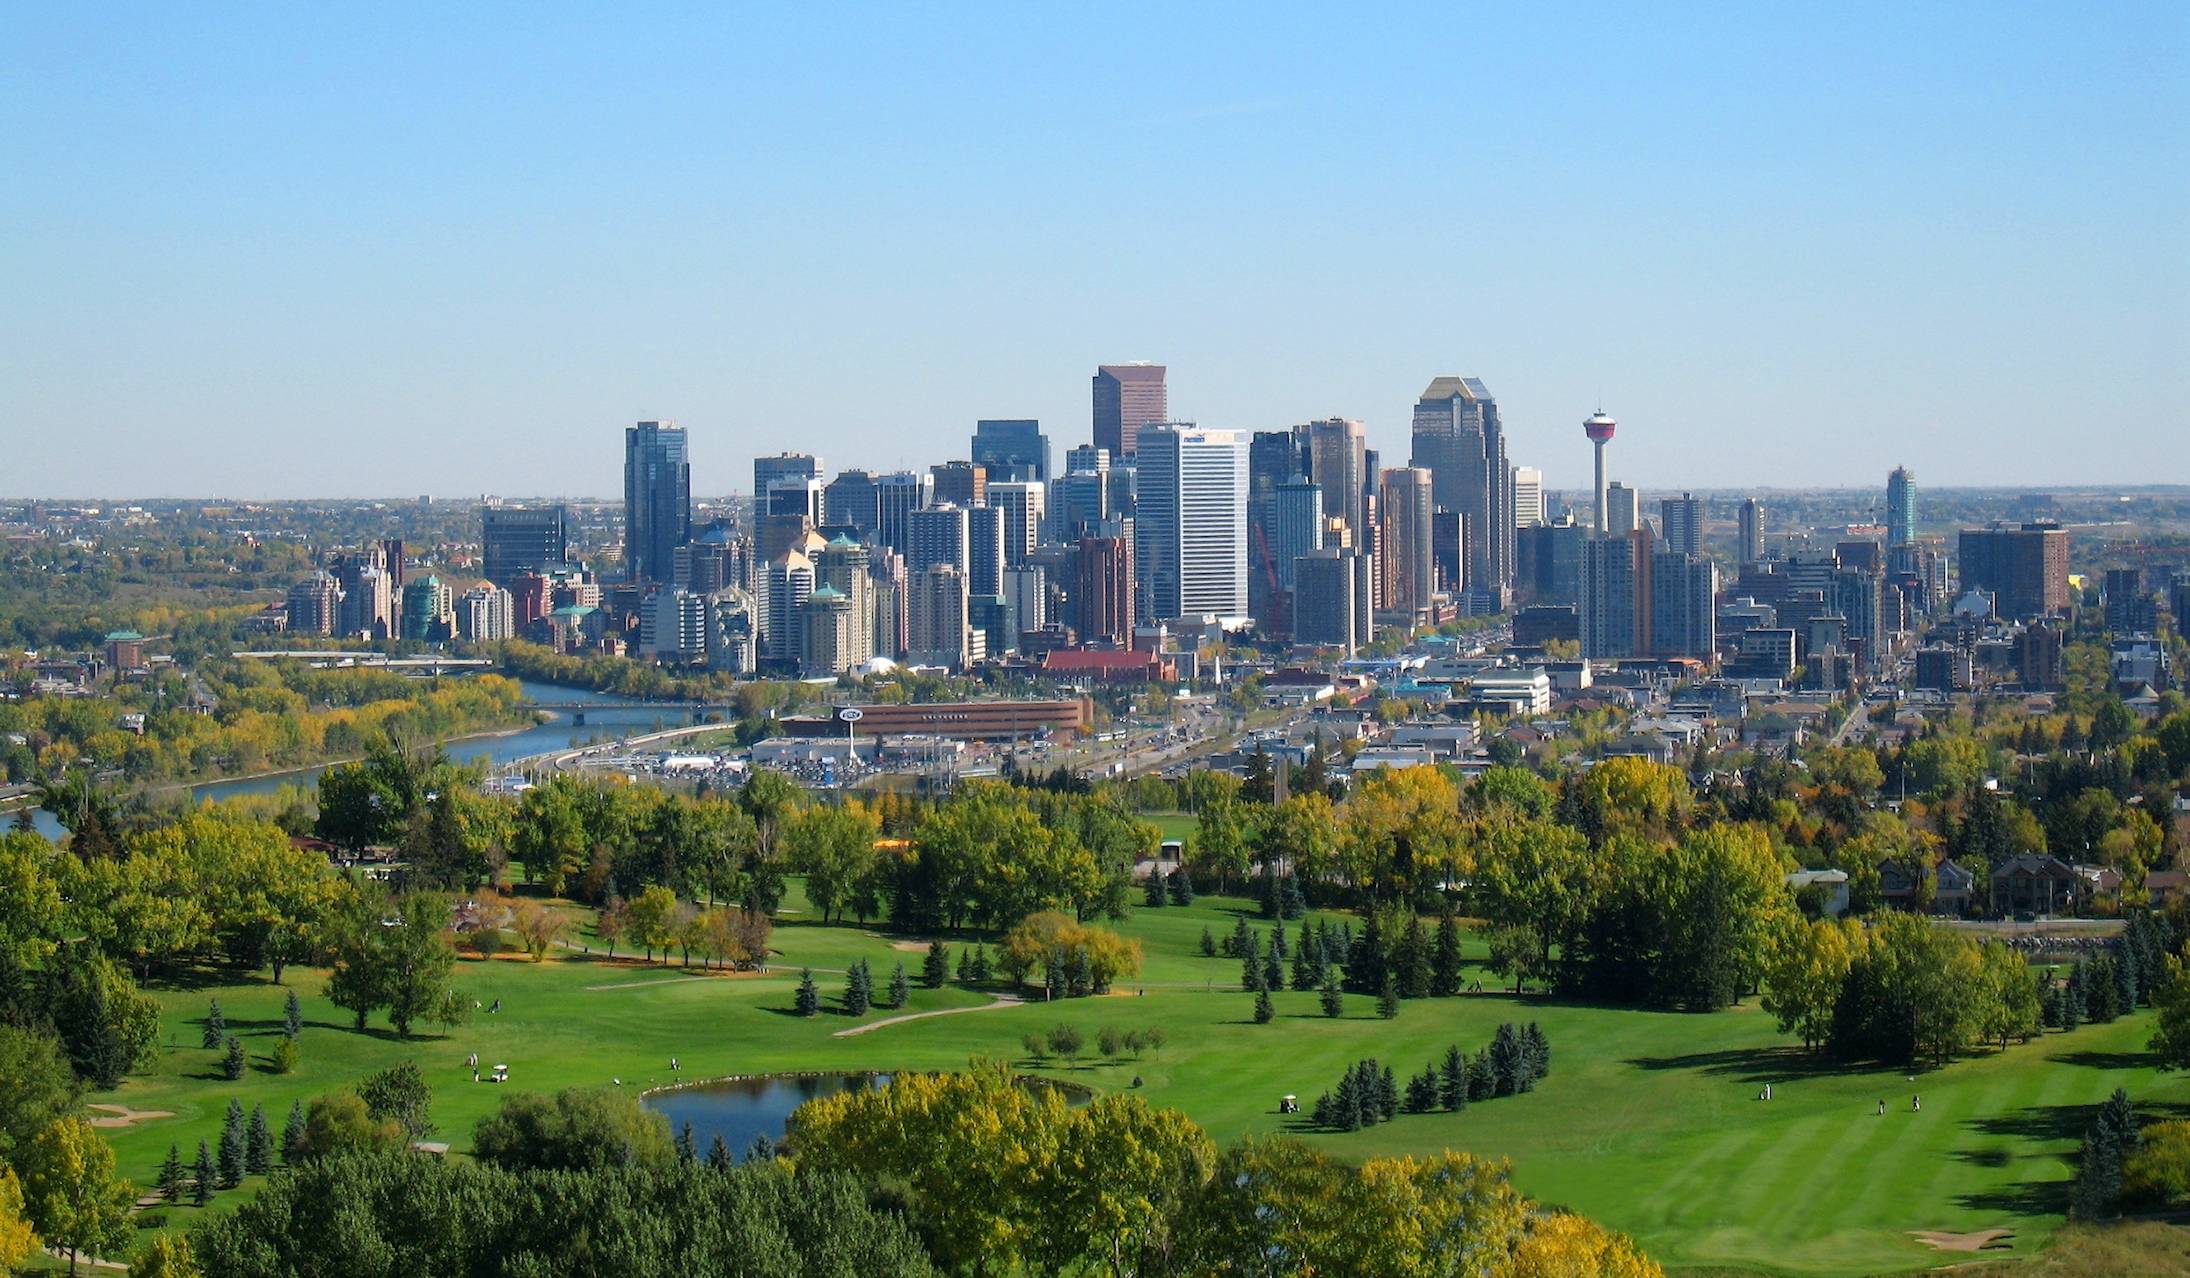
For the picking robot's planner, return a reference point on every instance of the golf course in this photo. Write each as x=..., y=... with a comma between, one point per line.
x=1649, y=1122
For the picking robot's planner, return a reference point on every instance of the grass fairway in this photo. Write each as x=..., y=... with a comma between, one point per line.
x=1648, y=1121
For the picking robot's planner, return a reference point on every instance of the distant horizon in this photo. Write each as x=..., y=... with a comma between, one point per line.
x=700, y=498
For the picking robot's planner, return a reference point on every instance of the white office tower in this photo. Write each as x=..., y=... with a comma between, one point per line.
x=1528, y=497
x=1024, y=506
x=673, y=626
x=1190, y=536
x=486, y=613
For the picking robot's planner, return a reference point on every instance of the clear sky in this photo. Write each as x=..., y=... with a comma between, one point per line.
x=290, y=250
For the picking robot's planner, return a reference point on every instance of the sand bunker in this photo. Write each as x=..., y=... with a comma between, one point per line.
x=123, y=1115
x=1982, y=1240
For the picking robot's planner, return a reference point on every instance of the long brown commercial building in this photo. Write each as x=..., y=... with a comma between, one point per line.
x=968, y=720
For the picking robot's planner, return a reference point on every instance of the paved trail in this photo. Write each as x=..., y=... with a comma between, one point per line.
x=1002, y=1000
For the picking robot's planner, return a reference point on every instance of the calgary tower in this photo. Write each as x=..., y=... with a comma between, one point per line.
x=1599, y=428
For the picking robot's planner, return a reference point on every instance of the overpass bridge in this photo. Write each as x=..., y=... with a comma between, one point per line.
x=697, y=711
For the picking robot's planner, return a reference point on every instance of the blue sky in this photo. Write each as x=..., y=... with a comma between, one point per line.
x=291, y=250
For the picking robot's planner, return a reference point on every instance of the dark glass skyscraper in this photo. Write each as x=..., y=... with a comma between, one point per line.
x=657, y=500
x=1012, y=448
x=1127, y=397
x=515, y=540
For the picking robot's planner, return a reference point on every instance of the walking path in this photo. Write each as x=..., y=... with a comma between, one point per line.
x=1002, y=1000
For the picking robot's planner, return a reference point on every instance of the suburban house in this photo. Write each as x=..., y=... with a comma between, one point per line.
x=1952, y=886
x=2032, y=884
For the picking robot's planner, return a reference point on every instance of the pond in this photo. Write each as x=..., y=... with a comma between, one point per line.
x=741, y=1109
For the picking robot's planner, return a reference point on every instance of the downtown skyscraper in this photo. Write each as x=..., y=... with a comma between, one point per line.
x=1458, y=438
x=657, y=500
x=1901, y=507
x=1127, y=398
x=1191, y=529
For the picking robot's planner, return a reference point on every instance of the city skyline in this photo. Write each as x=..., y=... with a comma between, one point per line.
x=296, y=229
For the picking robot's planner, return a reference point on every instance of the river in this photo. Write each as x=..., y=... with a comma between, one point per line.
x=496, y=751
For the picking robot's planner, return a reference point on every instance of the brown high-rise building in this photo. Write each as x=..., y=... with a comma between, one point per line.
x=1105, y=589
x=2025, y=568
x=960, y=483
x=1128, y=397
x=1406, y=558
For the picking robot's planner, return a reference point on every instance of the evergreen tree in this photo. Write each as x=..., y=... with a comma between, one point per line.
x=718, y=1154
x=202, y=1176
x=1292, y=904
x=982, y=969
x=1242, y=941
x=1307, y=961
x=1422, y=1091
x=1277, y=942
x=2113, y=1137
x=1250, y=963
x=1387, y=998
x=935, y=969
x=2100, y=991
x=2126, y=984
x=900, y=987
x=809, y=998
x=1445, y=962
x=1387, y=1093
x=292, y=1132
x=1325, y=1111
x=1334, y=1002
x=1346, y=1105
x=216, y=1027
x=1482, y=1077
x=761, y=1150
x=1152, y=891
x=1182, y=887
x=965, y=965
x=2053, y=1003
x=1208, y=944
x=171, y=1175
x=234, y=1063
x=232, y=1152
x=688, y=1145
x=1273, y=972
x=1265, y=1011
x=2079, y=1005
x=258, y=1150
x=1506, y=1059
x=1413, y=960
x=1452, y=1080
x=1366, y=965
x=858, y=989
x=1269, y=894
x=292, y=1016
x=1082, y=972
x=1539, y=1051
x=1338, y=945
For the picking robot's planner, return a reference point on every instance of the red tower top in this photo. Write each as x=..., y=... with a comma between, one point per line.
x=1599, y=428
